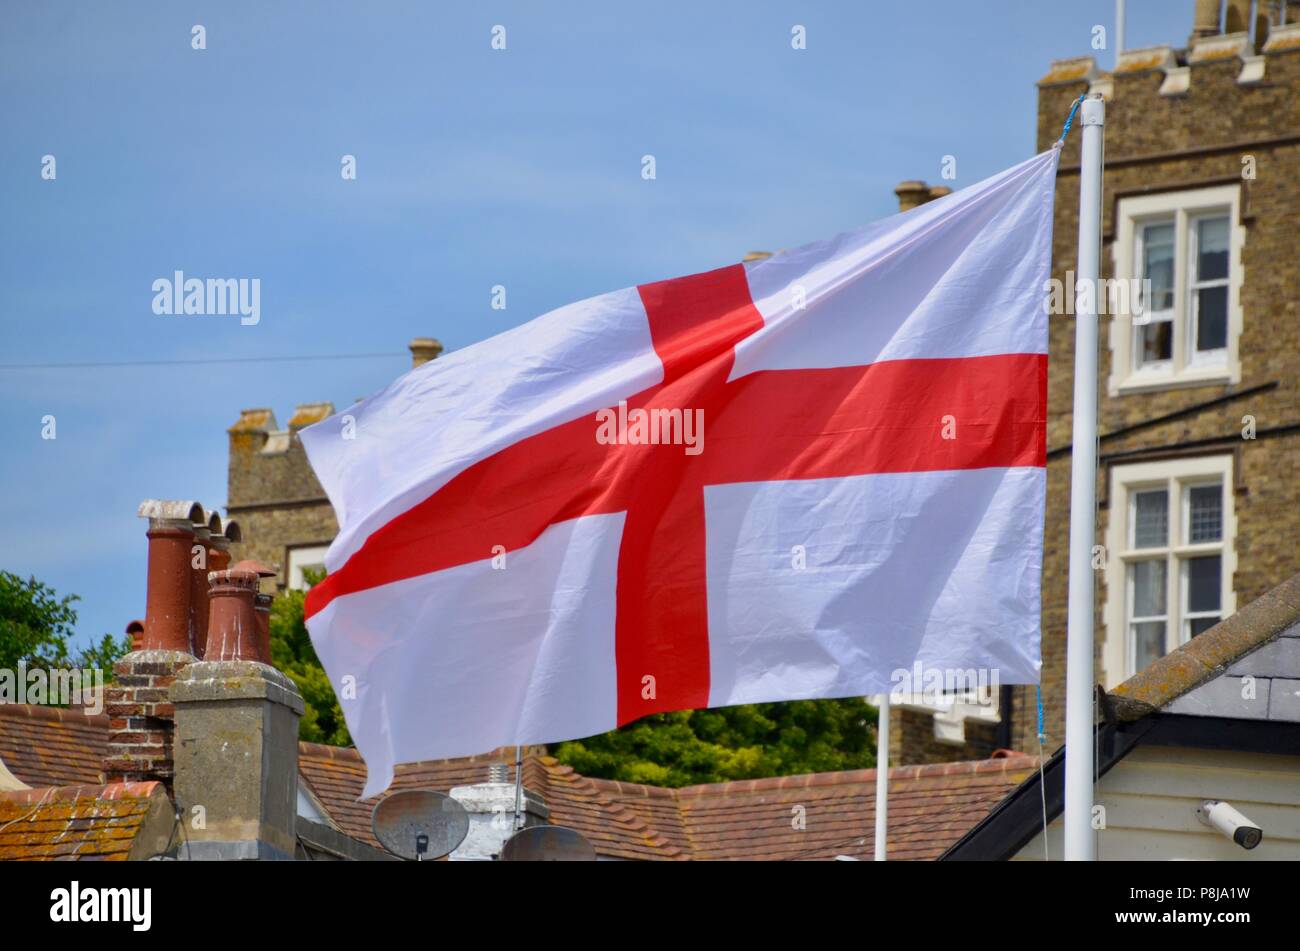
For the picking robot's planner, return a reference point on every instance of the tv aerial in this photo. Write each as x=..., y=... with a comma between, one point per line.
x=419, y=825
x=547, y=844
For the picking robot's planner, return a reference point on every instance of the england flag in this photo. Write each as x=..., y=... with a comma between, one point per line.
x=773, y=481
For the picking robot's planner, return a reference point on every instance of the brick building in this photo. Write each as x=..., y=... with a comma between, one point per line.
x=1199, y=407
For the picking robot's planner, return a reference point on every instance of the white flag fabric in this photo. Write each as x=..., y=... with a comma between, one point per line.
x=781, y=480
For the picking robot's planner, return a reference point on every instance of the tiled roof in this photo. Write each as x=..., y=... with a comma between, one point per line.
x=337, y=775
x=108, y=823
x=822, y=815
x=615, y=828
x=48, y=746
x=930, y=806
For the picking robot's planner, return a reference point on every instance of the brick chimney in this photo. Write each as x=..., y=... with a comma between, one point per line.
x=140, y=712
x=424, y=349
x=236, y=739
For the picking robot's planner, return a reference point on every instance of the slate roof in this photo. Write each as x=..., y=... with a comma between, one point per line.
x=108, y=823
x=1272, y=693
x=1204, y=676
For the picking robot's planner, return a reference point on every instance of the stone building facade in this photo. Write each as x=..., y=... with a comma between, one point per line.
x=1198, y=507
x=271, y=489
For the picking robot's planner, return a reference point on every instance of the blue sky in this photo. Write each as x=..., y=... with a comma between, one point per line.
x=475, y=167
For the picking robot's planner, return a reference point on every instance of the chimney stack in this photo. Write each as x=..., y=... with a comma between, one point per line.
x=135, y=630
x=167, y=615
x=141, y=715
x=262, y=608
x=219, y=546
x=232, y=709
x=199, y=581
x=233, y=620
x=911, y=194
x=424, y=349
x=261, y=611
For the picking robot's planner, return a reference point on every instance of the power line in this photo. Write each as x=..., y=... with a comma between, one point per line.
x=161, y=363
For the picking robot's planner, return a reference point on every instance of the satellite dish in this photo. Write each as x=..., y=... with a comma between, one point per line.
x=419, y=824
x=548, y=844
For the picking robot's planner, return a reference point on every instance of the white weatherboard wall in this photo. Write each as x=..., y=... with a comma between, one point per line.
x=1151, y=797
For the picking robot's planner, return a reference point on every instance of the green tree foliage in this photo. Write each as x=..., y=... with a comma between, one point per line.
x=36, y=625
x=291, y=651
x=744, y=742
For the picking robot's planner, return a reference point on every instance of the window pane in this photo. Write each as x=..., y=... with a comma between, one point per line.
x=1211, y=318
x=1199, y=625
x=1151, y=522
x=1149, y=588
x=1203, y=584
x=1148, y=642
x=1156, y=341
x=1211, y=249
x=1158, y=265
x=1205, y=513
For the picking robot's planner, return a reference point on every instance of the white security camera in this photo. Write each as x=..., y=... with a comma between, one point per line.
x=1230, y=822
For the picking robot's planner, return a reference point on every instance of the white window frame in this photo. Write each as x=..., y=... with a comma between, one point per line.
x=1176, y=476
x=1186, y=367
x=1202, y=358
x=304, y=556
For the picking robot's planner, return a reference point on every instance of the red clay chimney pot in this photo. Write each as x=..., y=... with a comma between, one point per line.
x=262, y=608
x=167, y=608
x=232, y=621
x=136, y=630
x=199, y=587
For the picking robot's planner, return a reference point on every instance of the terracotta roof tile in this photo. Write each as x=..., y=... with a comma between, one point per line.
x=930, y=807
x=111, y=823
x=48, y=746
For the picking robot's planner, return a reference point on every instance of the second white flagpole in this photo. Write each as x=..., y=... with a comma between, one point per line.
x=882, y=778
x=1080, y=844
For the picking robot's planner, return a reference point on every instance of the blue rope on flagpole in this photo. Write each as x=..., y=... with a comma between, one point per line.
x=1040, y=712
x=1069, y=120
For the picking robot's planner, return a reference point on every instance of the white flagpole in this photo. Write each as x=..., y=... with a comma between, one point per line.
x=882, y=777
x=1079, y=841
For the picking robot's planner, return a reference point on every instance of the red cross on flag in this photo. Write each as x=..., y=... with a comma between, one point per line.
x=774, y=481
